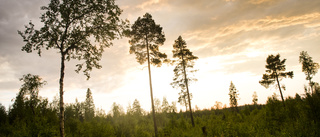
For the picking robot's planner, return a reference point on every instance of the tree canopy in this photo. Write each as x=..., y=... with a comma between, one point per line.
x=145, y=38
x=184, y=64
x=233, y=96
x=70, y=26
x=309, y=67
x=78, y=29
x=275, y=72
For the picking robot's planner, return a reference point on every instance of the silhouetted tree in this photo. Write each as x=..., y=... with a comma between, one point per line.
x=136, y=108
x=309, y=67
x=254, y=98
x=3, y=115
x=157, y=105
x=145, y=38
x=275, y=72
x=31, y=85
x=165, y=105
x=173, y=107
x=79, y=108
x=116, y=110
x=30, y=113
x=183, y=99
x=69, y=26
x=184, y=64
x=89, y=106
x=234, y=96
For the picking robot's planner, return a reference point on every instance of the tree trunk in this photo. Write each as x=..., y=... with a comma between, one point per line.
x=185, y=100
x=310, y=83
x=151, y=93
x=280, y=91
x=186, y=82
x=61, y=95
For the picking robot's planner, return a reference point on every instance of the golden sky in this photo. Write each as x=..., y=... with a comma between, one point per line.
x=232, y=39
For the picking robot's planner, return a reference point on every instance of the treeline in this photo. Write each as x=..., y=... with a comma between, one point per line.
x=32, y=115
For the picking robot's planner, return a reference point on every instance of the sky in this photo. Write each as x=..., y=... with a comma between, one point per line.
x=232, y=39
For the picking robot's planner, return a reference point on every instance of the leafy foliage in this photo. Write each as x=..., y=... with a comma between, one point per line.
x=183, y=99
x=254, y=98
x=69, y=26
x=309, y=67
x=184, y=64
x=275, y=72
x=145, y=38
x=299, y=118
x=89, y=106
x=234, y=96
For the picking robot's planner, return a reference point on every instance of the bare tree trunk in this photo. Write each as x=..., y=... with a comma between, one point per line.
x=185, y=100
x=186, y=82
x=280, y=91
x=61, y=95
x=151, y=93
x=310, y=83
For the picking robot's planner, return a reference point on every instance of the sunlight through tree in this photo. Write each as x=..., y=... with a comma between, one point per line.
x=146, y=37
x=275, y=72
x=69, y=26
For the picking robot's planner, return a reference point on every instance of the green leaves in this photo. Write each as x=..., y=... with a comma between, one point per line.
x=309, y=67
x=234, y=95
x=89, y=106
x=184, y=59
x=146, y=34
x=31, y=85
x=275, y=70
x=266, y=80
x=70, y=26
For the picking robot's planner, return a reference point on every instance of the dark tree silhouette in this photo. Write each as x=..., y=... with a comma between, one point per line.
x=275, y=72
x=116, y=110
x=88, y=106
x=31, y=86
x=309, y=67
x=234, y=96
x=68, y=27
x=254, y=98
x=184, y=64
x=183, y=99
x=146, y=37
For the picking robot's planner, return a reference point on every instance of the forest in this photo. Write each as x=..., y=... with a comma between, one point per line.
x=82, y=29
x=35, y=116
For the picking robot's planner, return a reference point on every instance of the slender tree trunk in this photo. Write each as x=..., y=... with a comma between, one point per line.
x=311, y=86
x=310, y=83
x=151, y=93
x=185, y=100
x=280, y=91
x=186, y=82
x=61, y=95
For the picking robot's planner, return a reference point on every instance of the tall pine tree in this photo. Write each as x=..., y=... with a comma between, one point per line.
x=234, y=96
x=89, y=106
x=275, y=72
x=145, y=38
x=184, y=64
